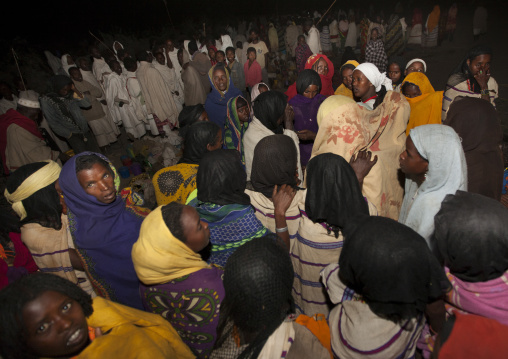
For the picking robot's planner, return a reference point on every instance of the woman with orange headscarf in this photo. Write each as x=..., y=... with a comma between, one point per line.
x=324, y=67
x=425, y=102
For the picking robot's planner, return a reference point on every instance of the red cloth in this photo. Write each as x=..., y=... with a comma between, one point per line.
x=253, y=74
x=326, y=80
x=7, y=119
x=23, y=256
x=476, y=337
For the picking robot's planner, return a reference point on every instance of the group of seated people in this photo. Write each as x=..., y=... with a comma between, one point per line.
x=285, y=232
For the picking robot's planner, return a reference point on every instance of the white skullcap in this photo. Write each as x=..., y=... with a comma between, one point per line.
x=375, y=77
x=417, y=60
x=29, y=98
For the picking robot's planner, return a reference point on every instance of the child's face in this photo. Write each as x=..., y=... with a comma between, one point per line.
x=374, y=35
x=243, y=113
x=412, y=91
x=251, y=56
x=230, y=56
x=219, y=57
x=394, y=72
x=211, y=53
x=55, y=325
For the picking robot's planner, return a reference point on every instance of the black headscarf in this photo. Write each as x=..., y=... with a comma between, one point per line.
x=477, y=123
x=198, y=136
x=334, y=195
x=222, y=179
x=188, y=116
x=268, y=109
x=274, y=163
x=402, y=66
x=305, y=79
x=471, y=236
x=462, y=72
x=258, y=280
x=42, y=207
x=391, y=266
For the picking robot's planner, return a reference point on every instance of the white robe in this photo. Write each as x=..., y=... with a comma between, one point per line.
x=99, y=68
x=173, y=56
x=313, y=40
x=138, y=102
x=169, y=77
x=116, y=92
x=352, y=36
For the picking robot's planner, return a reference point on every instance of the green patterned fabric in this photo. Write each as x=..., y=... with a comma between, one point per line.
x=234, y=129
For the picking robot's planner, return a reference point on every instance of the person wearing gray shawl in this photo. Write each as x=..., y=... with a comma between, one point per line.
x=434, y=165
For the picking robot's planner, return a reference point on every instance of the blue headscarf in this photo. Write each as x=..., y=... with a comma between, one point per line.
x=216, y=101
x=103, y=235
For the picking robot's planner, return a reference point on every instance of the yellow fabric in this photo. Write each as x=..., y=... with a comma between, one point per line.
x=425, y=109
x=433, y=19
x=210, y=75
x=344, y=91
x=36, y=181
x=346, y=128
x=132, y=333
x=175, y=183
x=159, y=256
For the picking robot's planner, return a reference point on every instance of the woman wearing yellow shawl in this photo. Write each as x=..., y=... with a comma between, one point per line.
x=346, y=71
x=175, y=282
x=426, y=104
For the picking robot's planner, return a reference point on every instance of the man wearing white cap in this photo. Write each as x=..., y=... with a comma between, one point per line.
x=21, y=142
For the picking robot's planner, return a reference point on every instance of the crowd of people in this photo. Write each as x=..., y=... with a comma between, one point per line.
x=359, y=220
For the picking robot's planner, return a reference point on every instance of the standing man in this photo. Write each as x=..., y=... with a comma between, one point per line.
x=171, y=53
x=62, y=109
x=312, y=36
x=100, y=67
x=261, y=52
x=202, y=64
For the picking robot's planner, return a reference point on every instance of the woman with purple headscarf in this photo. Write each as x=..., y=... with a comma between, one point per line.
x=305, y=105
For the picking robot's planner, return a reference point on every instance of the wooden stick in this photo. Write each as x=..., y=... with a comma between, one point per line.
x=101, y=42
x=19, y=71
x=325, y=13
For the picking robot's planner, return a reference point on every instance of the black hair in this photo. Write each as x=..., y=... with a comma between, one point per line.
x=193, y=47
x=251, y=49
x=86, y=162
x=238, y=47
x=380, y=97
x=254, y=30
x=230, y=48
x=120, y=53
x=241, y=102
x=406, y=87
x=73, y=68
x=142, y=55
x=129, y=63
x=220, y=51
x=172, y=216
x=16, y=295
x=347, y=66
x=471, y=55
x=82, y=58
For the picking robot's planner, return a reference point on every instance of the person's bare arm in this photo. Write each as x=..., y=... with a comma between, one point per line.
x=282, y=200
x=362, y=165
x=75, y=260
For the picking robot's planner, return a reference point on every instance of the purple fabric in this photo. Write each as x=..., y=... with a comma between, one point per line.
x=103, y=235
x=306, y=110
x=191, y=304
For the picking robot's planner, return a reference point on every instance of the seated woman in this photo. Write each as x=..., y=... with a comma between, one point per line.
x=269, y=113
x=375, y=51
x=478, y=126
x=425, y=102
x=175, y=282
x=190, y=115
x=44, y=224
x=324, y=68
x=102, y=226
x=374, y=319
x=334, y=197
x=434, y=165
x=305, y=106
x=223, y=205
x=472, y=78
x=415, y=65
x=45, y=316
x=175, y=183
x=257, y=321
x=238, y=117
x=346, y=128
x=222, y=91
x=275, y=165
x=395, y=71
x=346, y=72
x=471, y=239
x=370, y=86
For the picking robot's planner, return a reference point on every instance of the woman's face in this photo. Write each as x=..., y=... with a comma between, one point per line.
x=98, y=181
x=415, y=67
x=361, y=84
x=394, y=72
x=347, y=78
x=311, y=91
x=411, y=91
x=479, y=63
x=55, y=325
x=411, y=163
x=217, y=142
x=203, y=117
x=220, y=80
x=219, y=57
x=243, y=113
x=195, y=231
x=321, y=67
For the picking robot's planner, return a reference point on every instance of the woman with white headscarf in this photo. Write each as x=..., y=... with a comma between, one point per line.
x=370, y=85
x=435, y=165
x=67, y=63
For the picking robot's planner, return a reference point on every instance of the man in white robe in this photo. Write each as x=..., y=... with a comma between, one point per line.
x=292, y=34
x=312, y=37
x=169, y=76
x=171, y=54
x=119, y=104
x=100, y=68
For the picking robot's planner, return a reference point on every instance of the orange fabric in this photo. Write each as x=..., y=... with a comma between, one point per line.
x=476, y=337
x=425, y=109
x=318, y=326
x=2, y=252
x=91, y=335
x=433, y=19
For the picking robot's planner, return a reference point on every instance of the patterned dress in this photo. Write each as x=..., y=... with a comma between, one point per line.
x=175, y=183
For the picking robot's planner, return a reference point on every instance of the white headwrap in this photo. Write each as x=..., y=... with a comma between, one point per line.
x=417, y=60
x=29, y=98
x=36, y=181
x=375, y=77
